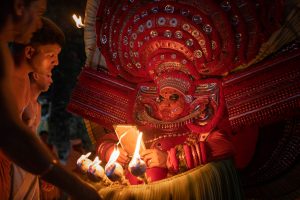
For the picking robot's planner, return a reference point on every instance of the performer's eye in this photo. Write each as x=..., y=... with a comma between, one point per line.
x=159, y=99
x=174, y=97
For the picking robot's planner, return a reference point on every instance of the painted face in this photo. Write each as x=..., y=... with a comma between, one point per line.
x=171, y=104
x=45, y=58
x=43, y=81
x=30, y=21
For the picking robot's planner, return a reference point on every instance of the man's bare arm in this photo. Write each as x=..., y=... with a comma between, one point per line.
x=24, y=148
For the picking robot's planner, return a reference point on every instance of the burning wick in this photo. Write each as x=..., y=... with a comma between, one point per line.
x=114, y=170
x=96, y=170
x=137, y=166
x=84, y=163
x=78, y=21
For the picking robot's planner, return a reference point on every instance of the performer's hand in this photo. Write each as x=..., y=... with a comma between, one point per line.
x=123, y=157
x=155, y=158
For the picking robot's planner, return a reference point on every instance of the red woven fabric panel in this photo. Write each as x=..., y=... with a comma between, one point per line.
x=103, y=99
x=267, y=92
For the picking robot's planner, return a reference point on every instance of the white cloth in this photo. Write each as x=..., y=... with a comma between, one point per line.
x=25, y=186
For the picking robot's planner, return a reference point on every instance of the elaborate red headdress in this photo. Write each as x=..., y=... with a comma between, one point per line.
x=173, y=43
x=176, y=80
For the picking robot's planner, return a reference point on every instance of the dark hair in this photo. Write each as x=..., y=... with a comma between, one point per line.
x=50, y=33
x=7, y=9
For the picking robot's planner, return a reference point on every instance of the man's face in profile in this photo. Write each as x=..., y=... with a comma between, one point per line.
x=45, y=58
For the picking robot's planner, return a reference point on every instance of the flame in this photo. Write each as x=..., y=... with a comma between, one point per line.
x=96, y=161
x=82, y=157
x=78, y=21
x=95, y=168
x=137, y=166
x=114, y=156
x=136, y=154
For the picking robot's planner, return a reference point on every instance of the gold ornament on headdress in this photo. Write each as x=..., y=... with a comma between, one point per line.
x=171, y=66
x=174, y=79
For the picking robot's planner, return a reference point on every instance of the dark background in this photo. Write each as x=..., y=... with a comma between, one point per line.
x=63, y=126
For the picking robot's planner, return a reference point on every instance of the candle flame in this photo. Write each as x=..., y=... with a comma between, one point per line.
x=82, y=157
x=114, y=156
x=137, y=166
x=78, y=21
x=96, y=161
x=95, y=169
x=136, y=154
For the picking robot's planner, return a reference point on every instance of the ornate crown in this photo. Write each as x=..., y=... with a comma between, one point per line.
x=176, y=80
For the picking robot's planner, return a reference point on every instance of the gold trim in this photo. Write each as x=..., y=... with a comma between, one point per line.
x=89, y=130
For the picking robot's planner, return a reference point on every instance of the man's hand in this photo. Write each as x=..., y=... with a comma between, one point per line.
x=155, y=158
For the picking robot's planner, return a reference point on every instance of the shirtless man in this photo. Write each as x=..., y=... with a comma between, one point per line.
x=18, y=20
x=41, y=54
x=32, y=116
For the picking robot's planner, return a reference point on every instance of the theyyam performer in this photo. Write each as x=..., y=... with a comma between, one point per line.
x=160, y=66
